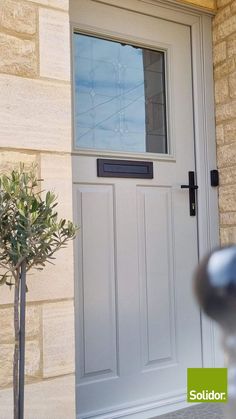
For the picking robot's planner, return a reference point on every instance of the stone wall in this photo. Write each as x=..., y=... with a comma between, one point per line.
x=35, y=126
x=206, y=4
x=224, y=39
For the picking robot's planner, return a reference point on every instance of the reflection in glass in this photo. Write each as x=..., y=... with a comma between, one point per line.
x=119, y=96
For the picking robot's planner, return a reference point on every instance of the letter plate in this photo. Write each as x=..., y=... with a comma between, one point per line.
x=124, y=168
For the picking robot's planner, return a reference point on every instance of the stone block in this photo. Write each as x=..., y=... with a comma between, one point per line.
x=228, y=219
x=226, y=155
x=10, y=160
x=18, y=16
x=32, y=362
x=56, y=173
x=227, y=198
x=58, y=339
x=33, y=321
x=214, y=37
x=55, y=281
x=207, y=4
x=7, y=323
x=220, y=134
x=226, y=28
x=232, y=85
x=219, y=52
x=231, y=47
x=17, y=56
x=230, y=131
x=226, y=111
x=224, y=69
x=48, y=399
x=222, y=3
x=6, y=364
x=228, y=235
x=222, y=15
x=57, y=4
x=35, y=114
x=228, y=176
x=54, y=44
x=221, y=90
x=233, y=7
x=6, y=296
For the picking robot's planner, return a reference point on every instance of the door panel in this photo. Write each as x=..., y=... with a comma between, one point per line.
x=139, y=327
x=155, y=238
x=98, y=316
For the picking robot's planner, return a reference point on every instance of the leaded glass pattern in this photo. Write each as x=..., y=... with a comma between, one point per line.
x=120, y=100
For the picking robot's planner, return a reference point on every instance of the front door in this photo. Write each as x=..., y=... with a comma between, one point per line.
x=138, y=326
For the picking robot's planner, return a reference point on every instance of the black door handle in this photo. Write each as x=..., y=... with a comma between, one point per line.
x=192, y=196
x=194, y=187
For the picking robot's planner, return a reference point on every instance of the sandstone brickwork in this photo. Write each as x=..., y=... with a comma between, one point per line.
x=224, y=38
x=206, y=4
x=18, y=53
x=35, y=127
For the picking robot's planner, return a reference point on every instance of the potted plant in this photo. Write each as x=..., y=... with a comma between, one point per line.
x=30, y=234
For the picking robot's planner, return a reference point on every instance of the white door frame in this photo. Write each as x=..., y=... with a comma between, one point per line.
x=200, y=23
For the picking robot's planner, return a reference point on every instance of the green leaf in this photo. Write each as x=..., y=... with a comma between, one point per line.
x=47, y=198
x=34, y=206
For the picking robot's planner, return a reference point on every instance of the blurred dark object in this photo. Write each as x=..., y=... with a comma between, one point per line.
x=215, y=288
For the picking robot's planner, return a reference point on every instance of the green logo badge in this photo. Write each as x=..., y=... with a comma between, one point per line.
x=207, y=385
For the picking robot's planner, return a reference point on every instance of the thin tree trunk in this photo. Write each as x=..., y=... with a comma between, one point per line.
x=22, y=340
x=16, y=349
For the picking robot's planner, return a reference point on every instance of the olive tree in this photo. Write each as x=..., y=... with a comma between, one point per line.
x=30, y=234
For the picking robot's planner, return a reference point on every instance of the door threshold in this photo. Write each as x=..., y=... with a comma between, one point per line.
x=203, y=411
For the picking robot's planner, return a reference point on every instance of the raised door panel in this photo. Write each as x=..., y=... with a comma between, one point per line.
x=156, y=264
x=98, y=355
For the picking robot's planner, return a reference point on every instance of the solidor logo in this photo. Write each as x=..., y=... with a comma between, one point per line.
x=207, y=385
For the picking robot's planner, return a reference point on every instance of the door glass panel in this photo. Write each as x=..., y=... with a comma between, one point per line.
x=120, y=100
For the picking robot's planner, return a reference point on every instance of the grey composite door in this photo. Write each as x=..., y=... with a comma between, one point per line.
x=138, y=327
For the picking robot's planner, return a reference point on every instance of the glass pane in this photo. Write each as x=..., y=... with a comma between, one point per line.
x=120, y=101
